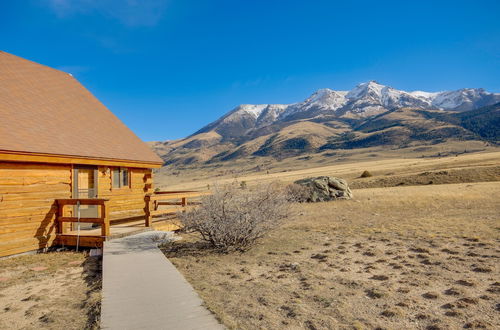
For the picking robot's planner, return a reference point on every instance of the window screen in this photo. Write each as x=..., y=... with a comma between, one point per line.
x=116, y=178
x=120, y=178
x=124, y=173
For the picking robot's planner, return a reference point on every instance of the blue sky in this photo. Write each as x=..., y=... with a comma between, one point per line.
x=167, y=68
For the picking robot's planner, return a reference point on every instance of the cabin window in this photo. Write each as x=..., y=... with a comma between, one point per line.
x=116, y=178
x=120, y=178
x=124, y=177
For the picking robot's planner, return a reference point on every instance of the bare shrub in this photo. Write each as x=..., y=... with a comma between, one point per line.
x=365, y=174
x=162, y=238
x=298, y=193
x=234, y=218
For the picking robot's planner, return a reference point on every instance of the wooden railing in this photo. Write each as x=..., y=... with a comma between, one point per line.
x=159, y=204
x=175, y=200
x=103, y=219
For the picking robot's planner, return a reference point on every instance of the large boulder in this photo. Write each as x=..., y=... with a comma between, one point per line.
x=325, y=188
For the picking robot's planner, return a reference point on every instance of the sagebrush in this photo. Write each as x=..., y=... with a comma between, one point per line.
x=366, y=174
x=234, y=218
x=298, y=193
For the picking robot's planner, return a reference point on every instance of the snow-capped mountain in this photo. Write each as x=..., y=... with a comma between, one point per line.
x=372, y=98
x=464, y=99
x=363, y=101
x=370, y=116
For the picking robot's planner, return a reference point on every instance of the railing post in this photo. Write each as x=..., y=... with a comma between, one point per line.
x=105, y=219
x=147, y=211
x=183, y=204
x=60, y=226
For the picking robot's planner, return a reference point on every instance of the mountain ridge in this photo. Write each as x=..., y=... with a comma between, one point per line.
x=365, y=100
x=370, y=114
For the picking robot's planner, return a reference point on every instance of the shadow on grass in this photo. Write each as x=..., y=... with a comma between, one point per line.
x=92, y=275
x=189, y=249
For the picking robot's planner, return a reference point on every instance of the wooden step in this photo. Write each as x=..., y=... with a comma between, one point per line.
x=87, y=241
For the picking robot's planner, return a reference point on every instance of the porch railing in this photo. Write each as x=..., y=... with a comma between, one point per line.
x=158, y=204
x=102, y=220
x=176, y=201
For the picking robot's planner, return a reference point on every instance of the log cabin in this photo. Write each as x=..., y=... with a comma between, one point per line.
x=60, y=146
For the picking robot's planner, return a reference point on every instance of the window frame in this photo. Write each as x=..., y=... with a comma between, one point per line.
x=120, y=184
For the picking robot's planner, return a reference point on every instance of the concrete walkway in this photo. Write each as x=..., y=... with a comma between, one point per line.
x=141, y=289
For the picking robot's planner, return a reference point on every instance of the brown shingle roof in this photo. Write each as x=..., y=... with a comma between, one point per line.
x=43, y=110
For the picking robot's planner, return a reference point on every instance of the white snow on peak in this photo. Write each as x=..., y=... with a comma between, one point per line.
x=253, y=109
x=242, y=111
x=326, y=99
x=388, y=94
x=365, y=99
x=453, y=99
x=424, y=95
x=278, y=106
x=274, y=110
x=463, y=98
x=379, y=96
x=371, y=87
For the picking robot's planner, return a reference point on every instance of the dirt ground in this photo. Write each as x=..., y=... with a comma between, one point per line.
x=407, y=257
x=59, y=290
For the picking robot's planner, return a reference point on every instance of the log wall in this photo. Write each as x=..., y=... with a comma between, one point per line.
x=27, y=204
x=27, y=201
x=129, y=201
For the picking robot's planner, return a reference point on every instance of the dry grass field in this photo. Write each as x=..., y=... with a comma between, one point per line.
x=407, y=257
x=477, y=166
x=59, y=290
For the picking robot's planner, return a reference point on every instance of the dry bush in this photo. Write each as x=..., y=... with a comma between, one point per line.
x=298, y=193
x=365, y=174
x=234, y=218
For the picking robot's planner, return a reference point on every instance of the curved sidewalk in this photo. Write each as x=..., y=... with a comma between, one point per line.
x=142, y=289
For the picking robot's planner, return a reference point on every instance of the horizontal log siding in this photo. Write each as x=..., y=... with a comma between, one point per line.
x=27, y=201
x=27, y=204
x=127, y=201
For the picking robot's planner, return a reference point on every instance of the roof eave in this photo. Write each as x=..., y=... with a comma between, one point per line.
x=32, y=157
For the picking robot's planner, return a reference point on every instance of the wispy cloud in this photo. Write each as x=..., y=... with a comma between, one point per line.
x=128, y=12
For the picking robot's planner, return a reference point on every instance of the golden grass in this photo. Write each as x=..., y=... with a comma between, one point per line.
x=59, y=290
x=288, y=171
x=398, y=258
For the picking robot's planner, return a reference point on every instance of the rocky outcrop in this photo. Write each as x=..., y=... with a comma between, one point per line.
x=325, y=188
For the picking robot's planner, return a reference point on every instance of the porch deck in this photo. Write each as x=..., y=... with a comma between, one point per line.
x=155, y=218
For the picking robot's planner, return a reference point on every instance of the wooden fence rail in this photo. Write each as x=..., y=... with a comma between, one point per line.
x=176, y=200
x=103, y=219
x=160, y=205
